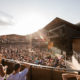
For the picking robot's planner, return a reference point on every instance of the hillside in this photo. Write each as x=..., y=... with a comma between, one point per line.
x=13, y=38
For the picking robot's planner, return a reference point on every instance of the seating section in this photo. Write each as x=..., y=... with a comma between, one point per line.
x=38, y=73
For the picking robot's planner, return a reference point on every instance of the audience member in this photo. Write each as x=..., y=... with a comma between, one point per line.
x=17, y=75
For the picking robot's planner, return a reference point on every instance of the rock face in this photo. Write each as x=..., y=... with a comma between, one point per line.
x=13, y=38
x=78, y=24
x=35, y=41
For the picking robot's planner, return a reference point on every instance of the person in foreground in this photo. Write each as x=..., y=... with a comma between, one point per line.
x=17, y=75
x=2, y=74
x=3, y=69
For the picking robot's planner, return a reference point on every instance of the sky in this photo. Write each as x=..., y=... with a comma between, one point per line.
x=27, y=16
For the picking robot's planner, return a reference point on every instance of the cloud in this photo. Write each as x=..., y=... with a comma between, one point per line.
x=5, y=19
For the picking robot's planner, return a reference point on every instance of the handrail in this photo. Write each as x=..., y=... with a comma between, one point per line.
x=41, y=66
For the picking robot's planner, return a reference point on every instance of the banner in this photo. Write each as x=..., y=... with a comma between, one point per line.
x=50, y=45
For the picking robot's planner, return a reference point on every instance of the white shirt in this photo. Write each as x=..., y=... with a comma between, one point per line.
x=19, y=76
x=1, y=78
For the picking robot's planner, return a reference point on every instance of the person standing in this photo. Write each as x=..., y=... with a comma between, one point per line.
x=17, y=75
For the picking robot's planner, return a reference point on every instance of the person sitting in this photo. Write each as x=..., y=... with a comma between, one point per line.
x=2, y=73
x=17, y=75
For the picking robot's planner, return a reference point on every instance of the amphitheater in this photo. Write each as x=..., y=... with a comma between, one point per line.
x=64, y=35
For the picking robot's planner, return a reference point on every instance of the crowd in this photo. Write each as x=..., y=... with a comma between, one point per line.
x=32, y=55
x=16, y=74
